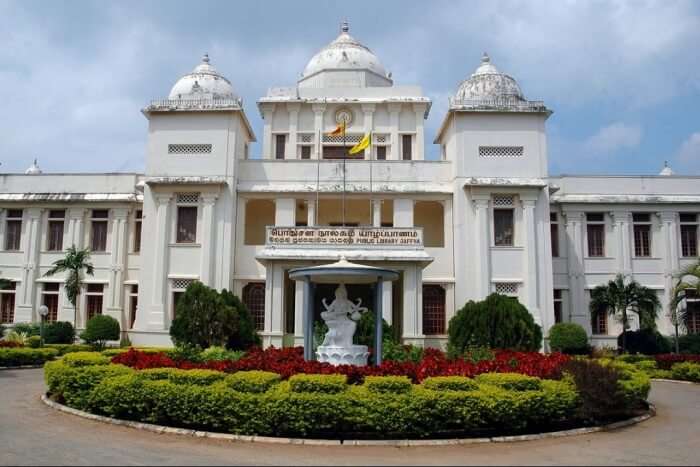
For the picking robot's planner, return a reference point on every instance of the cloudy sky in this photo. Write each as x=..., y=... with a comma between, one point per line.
x=623, y=78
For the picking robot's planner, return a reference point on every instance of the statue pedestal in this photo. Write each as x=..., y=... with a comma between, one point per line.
x=345, y=355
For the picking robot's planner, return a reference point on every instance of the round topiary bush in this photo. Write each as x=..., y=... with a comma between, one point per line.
x=645, y=341
x=60, y=332
x=99, y=330
x=568, y=338
x=498, y=322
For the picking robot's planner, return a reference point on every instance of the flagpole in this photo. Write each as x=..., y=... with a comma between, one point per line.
x=344, y=157
x=371, y=205
x=318, y=175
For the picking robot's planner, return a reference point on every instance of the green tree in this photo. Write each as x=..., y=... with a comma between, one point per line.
x=246, y=336
x=76, y=263
x=687, y=283
x=203, y=319
x=100, y=329
x=620, y=298
x=498, y=322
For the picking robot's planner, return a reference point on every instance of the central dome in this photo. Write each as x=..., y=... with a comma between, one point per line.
x=345, y=54
x=204, y=82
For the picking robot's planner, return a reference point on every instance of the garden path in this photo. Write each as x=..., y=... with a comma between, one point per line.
x=32, y=433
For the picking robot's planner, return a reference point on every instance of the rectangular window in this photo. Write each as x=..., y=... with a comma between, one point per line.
x=642, y=234
x=503, y=227
x=93, y=297
x=689, y=234
x=306, y=152
x=55, y=230
x=595, y=229
x=433, y=310
x=406, y=147
x=381, y=153
x=98, y=230
x=7, y=304
x=558, y=305
x=599, y=323
x=133, y=304
x=138, y=216
x=13, y=229
x=280, y=142
x=50, y=299
x=554, y=233
x=186, y=224
x=692, y=313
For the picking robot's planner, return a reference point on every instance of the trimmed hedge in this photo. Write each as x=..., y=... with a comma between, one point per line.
x=77, y=359
x=388, y=384
x=177, y=376
x=252, y=381
x=310, y=405
x=686, y=371
x=568, y=338
x=511, y=381
x=450, y=383
x=328, y=384
x=68, y=348
x=21, y=356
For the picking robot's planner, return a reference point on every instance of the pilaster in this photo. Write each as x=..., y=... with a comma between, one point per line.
x=208, y=201
x=573, y=221
x=530, y=257
x=318, y=110
x=420, y=132
x=368, y=110
x=394, y=109
x=291, y=149
x=310, y=212
x=76, y=227
x=118, y=249
x=622, y=222
x=483, y=242
x=31, y=238
x=268, y=113
x=157, y=318
x=377, y=214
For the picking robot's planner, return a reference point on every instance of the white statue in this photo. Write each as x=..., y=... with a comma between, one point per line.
x=341, y=317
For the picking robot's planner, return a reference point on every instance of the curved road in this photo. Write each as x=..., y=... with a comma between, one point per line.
x=32, y=433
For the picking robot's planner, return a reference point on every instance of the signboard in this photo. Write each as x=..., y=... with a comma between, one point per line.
x=359, y=237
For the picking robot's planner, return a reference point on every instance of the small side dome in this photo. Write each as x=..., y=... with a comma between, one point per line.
x=666, y=171
x=489, y=83
x=33, y=169
x=205, y=82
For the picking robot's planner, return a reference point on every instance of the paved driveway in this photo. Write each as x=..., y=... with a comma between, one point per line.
x=31, y=433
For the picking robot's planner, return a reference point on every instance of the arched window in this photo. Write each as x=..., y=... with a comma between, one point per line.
x=433, y=310
x=254, y=299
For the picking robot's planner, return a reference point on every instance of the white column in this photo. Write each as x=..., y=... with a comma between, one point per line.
x=76, y=226
x=394, y=109
x=310, y=212
x=410, y=313
x=481, y=205
x=377, y=216
x=622, y=222
x=157, y=312
x=419, y=153
x=285, y=212
x=530, y=257
x=31, y=238
x=368, y=110
x=387, y=302
x=268, y=113
x=118, y=247
x=668, y=229
x=574, y=229
x=291, y=149
x=403, y=212
x=207, y=238
x=318, y=110
x=299, y=313
x=277, y=309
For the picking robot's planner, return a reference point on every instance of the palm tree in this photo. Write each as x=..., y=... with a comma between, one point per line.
x=617, y=297
x=74, y=262
x=688, y=280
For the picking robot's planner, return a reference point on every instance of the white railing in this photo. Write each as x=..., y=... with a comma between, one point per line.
x=194, y=104
x=505, y=103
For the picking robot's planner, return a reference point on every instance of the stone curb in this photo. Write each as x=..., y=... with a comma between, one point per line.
x=23, y=367
x=679, y=381
x=328, y=442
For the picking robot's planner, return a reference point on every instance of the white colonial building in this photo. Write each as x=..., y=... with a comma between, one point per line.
x=485, y=217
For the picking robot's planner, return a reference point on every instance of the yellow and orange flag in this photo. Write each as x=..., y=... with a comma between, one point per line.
x=339, y=130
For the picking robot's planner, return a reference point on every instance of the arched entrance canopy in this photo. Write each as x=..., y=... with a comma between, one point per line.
x=344, y=272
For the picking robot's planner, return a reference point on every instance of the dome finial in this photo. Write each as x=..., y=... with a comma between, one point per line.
x=33, y=169
x=485, y=58
x=666, y=170
x=344, y=26
x=205, y=58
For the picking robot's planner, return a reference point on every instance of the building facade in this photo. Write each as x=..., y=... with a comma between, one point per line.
x=486, y=217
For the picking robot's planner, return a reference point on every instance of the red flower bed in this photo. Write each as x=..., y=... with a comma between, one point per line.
x=666, y=361
x=9, y=344
x=290, y=361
